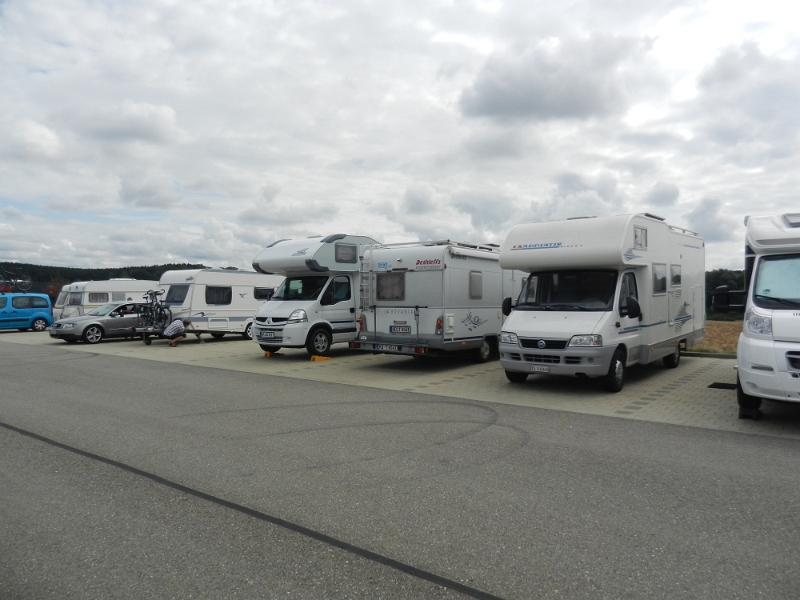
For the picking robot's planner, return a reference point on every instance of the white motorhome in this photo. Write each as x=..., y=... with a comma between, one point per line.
x=768, y=353
x=217, y=301
x=603, y=294
x=425, y=298
x=316, y=305
x=76, y=299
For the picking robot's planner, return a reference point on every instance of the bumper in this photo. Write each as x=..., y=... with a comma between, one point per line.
x=423, y=344
x=65, y=334
x=286, y=336
x=574, y=361
x=765, y=371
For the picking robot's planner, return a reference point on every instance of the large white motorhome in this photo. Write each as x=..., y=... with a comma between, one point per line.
x=76, y=299
x=425, y=298
x=316, y=305
x=768, y=353
x=217, y=301
x=603, y=294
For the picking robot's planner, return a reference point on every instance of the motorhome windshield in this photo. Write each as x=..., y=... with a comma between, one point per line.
x=778, y=282
x=569, y=290
x=102, y=311
x=300, y=288
x=62, y=298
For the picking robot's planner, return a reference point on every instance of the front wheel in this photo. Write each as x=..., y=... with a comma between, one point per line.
x=748, y=405
x=516, y=376
x=319, y=343
x=39, y=324
x=614, y=380
x=93, y=334
x=248, y=332
x=673, y=359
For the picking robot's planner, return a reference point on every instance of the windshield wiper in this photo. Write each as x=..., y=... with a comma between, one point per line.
x=781, y=300
x=565, y=305
x=533, y=305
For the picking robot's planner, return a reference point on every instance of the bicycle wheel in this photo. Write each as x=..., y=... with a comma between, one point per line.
x=24, y=282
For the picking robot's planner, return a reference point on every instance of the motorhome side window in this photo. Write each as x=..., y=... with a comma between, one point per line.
x=659, y=279
x=674, y=275
x=218, y=294
x=75, y=298
x=263, y=293
x=177, y=294
x=98, y=298
x=640, y=238
x=627, y=289
x=390, y=286
x=475, y=285
x=346, y=253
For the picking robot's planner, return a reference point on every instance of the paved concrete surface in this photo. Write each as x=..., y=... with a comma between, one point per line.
x=679, y=396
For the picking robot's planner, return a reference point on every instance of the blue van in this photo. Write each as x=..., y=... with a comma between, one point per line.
x=25, y=311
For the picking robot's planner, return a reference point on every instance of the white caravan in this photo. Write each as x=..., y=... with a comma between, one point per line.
x=425, y=298
x=768, y=354
x=603, y=294
x=316, y=305
x=217, y=301
x=76, y=299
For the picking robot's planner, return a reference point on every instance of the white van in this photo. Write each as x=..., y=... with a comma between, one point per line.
x=425, y=298
x=768, y=354
x=316, y=305
x=217, y=301
x=603, y=294
x=76, y=299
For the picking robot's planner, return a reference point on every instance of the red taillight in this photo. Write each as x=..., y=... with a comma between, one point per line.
x=355, y=345
x=420, y=350
x=439, y=325
x=361, y=323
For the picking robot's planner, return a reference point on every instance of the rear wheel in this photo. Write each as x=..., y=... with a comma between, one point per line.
x=673, y=359
x=268, y=348
x=319, y=342
x=92, y=334
x=614, y=380
x=516, y=376
x=484, y=353
x=39, y=324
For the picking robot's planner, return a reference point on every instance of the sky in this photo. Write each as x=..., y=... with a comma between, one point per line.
x=148, y=132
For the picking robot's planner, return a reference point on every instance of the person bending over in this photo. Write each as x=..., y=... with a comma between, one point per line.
x=176, y=331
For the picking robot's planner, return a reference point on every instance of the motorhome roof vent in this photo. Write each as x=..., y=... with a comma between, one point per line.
x=654, y=217
x=792, y=219
x=584, y=217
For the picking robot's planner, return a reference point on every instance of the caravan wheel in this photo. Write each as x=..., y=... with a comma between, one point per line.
x=248, y=332
x=484, y=353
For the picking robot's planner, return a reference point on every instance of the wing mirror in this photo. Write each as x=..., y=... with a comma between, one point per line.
x=506, y=306
x=634, y=310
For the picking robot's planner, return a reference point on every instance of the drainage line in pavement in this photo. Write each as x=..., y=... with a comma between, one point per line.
x=310, y=533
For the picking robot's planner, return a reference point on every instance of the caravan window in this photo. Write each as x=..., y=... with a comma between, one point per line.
x=62, y=297
x=176, y=294
x=640, y=238
x=218, y=295
x=346, y=253
x=263, y=293
x=674, y=275
x=390, y=286
x=475, y=285
x=118, y=297
x=659, y=279
x=75, y=298
x=98, y=298
x=300, y=288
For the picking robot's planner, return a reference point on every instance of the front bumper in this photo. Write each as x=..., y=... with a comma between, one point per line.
x=573, y=360
x=292, y=335
x=765, y=370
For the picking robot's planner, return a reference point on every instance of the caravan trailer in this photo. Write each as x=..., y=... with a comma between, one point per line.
x=76, y=299
x=424, y=298
x=217, y=301
x=315, y=306
x=768, y=354
x=603, y=294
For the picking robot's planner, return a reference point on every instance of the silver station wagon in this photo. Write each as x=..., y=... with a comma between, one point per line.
x=109, y=320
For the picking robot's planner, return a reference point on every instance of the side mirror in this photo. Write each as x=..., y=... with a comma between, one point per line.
x=506, y=306
x=720, y=299
x=634, y=310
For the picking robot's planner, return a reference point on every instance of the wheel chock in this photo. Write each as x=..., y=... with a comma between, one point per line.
x=268, y=354
x=319, y=358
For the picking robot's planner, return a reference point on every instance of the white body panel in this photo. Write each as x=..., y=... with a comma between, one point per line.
x=667, y=264
x=768, y=361
x=78, y=298
x=217, y=300
x=451, y=300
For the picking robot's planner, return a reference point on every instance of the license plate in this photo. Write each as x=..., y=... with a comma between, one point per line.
x=387, y=347
x=266, y=334
x=540, y=369
x=400, y=329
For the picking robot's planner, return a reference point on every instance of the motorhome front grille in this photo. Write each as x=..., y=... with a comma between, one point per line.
x=548, y=344
x=793, y=358
x=572, y=360
x=261, y=319
x=274, y=319
x=544, y=359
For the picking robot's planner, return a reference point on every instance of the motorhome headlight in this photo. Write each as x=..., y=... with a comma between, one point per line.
x=298, y=316
x=756, y=323
x=586, y=340
x=507, y=337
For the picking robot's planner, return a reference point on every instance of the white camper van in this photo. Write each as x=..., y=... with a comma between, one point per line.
x=217, y=301
x=76, y=299
x=425, y=298
x=316, y=305
x=768, y=354
x=603, y=294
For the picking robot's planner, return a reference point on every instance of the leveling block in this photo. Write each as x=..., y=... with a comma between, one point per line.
x=268, y=354
x=319, y=358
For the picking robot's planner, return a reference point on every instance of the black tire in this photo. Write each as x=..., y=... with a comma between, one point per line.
x=39, y=324
x=674, y=359
x=248, y=332
x=484, y=353
x=268, y=348
x=93, y=334
x=147, y=341
x=217, y=335
x=746, y=401
x=319, y=342
x=614, y=380
x=516, y=376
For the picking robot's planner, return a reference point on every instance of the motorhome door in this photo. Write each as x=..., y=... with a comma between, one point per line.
x=339, y=308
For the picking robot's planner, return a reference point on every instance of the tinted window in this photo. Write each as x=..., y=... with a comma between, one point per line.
x=569, y=290
x=98, y=298
x=75, y=298
x=627, y=289
x=475, y=285
x=263, y=293
x=3, y=302
x=40, y=302
x=675, y=275
x=346, y=253
x=22, y=302
x=390, y=286
x=640, y=238
x=659, y=279
x=338, y=291
x=218, y=295
x=177, y=294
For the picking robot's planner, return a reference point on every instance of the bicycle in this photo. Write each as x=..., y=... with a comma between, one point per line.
x=11, y=279
x=155, y=312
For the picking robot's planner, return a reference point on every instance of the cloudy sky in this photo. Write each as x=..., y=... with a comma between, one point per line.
x=146, y=132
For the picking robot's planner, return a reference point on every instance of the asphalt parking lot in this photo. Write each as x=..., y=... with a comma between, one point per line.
x=210, y=471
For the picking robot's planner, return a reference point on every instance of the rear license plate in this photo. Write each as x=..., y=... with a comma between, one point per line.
x=540, y=369
x=266, y=335
x=387, y=347
x=399, y=329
